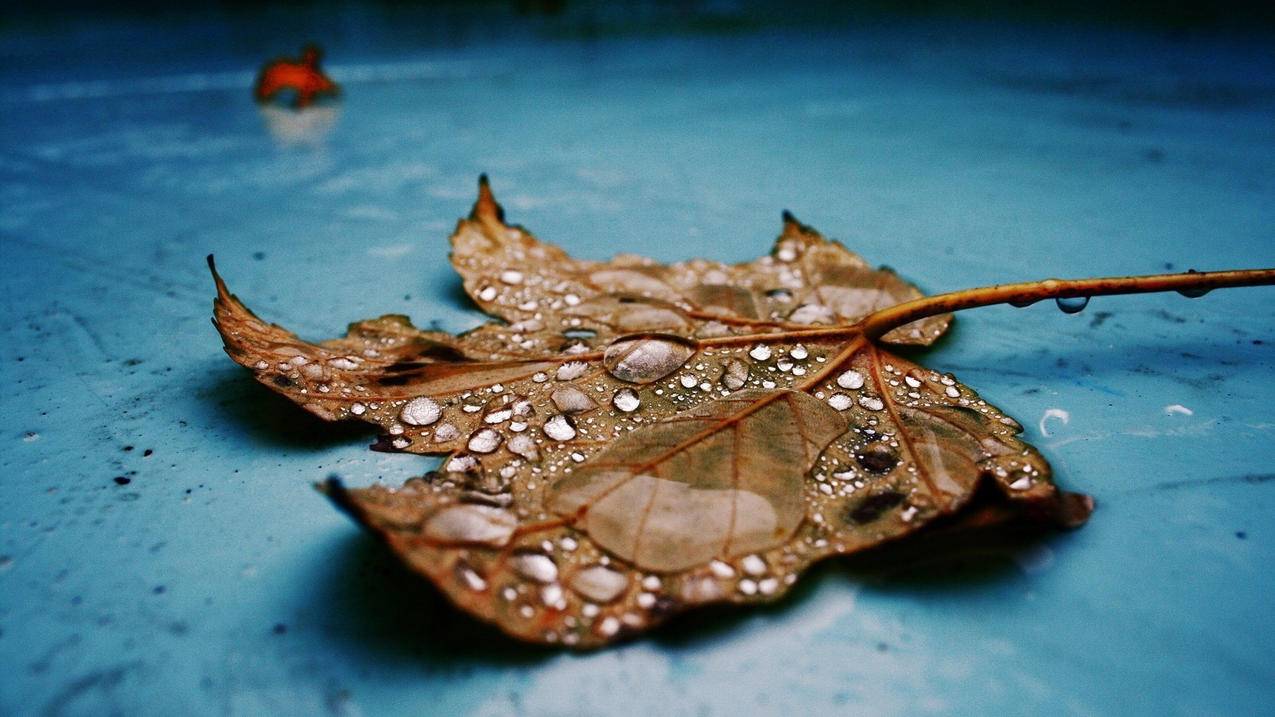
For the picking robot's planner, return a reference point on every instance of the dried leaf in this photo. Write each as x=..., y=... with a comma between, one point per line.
x=301, y=76
x=633, y=439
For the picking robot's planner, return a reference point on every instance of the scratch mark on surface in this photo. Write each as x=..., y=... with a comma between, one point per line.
x=1057, y=413
x=1244, y=479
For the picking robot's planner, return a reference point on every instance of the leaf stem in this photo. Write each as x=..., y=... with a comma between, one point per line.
x=880, y=322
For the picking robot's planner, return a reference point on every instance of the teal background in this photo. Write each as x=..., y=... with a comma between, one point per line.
x=962, y=151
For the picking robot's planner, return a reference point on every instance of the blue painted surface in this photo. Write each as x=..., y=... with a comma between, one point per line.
x=218, y=582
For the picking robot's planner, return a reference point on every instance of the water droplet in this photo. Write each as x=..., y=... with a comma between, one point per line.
x=646, y=359
x=748, y=587
x=535, y=566
x=626, y=399
x=840, y=401
x=498, y=416
x=1023, y=304
x=735, y=375
x=358, y=409
x=872, y=403
x=570, y=399
x=812, y=314
x=799, y=352
x=850, y=379
x=560, y=428
x=877, y=459
x=952, y=392
x=753, y=565
x=721, y=570
x=571, y=370
x=760, y=352
x=446, y=432
x=420, y=412
x=523, y=445
x=571, y=300
x=540, y=377
x=688, y=381
x=469, y=577
x=1072, y=304
x=471, y=525
x=462, y=464
x=912, y=381
x=484, y=440
x=599, y=583
x=511, y=277
x=608, y=626
x=768, y=586
x=1193, y=293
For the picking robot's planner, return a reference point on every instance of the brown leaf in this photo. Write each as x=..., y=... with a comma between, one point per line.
x=638, y=439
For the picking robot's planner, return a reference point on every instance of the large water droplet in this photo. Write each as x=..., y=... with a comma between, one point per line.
x=560, y=428
x=471, y=525
x=484, y=440
x=753, y=565
x=420, y=412
x=1072, y=304
x=735, y=375
x=571, y=370
x=646, y=359
x=1193, y=293
x=525, y=446
x=850, y=379
x=1023, y=304
x=626, y=399
x=878, y=459
x=599, y=583
x=570, y=399
x=535, y=566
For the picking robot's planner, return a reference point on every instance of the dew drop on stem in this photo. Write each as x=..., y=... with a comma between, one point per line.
x=1193, y=293
x=1072, y=304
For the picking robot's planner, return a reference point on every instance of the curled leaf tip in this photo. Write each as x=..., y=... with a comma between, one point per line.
x=1073, y=509
x=334, y=488
x=793, y=225
x=486, y=208
x=222, y=292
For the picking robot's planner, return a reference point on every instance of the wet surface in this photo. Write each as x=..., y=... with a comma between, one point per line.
x=156, y=579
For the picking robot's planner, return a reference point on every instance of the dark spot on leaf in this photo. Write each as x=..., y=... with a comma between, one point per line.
x=874, y=506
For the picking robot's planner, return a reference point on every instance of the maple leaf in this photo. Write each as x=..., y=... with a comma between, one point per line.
x=631, y=440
